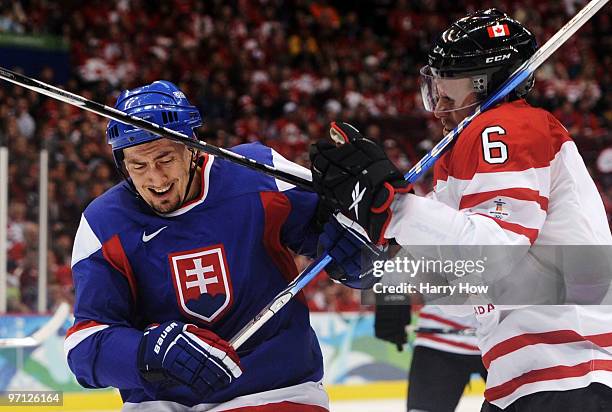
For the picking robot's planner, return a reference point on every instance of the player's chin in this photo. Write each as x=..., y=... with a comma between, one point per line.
x=165, y=206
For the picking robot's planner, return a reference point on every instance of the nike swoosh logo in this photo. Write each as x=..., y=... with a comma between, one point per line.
x=146, y=238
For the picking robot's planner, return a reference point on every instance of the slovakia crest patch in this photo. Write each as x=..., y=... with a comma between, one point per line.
x=202, y=282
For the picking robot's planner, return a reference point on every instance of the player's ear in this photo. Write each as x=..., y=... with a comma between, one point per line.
x=196, y=157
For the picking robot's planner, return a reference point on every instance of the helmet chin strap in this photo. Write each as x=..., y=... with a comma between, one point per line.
x=118, y=157
x=195, y=163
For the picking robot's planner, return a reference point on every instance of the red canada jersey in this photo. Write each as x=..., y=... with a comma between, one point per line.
x=515, y=177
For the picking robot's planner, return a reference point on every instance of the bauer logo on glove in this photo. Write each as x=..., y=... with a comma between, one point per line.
x=177, y=353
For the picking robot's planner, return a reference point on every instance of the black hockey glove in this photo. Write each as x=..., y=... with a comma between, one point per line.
x=357, y=178
x=390, y=323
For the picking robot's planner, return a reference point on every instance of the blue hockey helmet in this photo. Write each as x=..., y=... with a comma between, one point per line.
x=160, y=102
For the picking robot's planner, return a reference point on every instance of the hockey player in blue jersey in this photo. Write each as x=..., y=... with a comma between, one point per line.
x=177, y=258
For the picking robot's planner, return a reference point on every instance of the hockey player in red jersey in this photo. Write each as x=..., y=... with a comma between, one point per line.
x=515, y=178
x=445, y=354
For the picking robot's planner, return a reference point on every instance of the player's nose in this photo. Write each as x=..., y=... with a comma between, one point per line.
x=157, y=177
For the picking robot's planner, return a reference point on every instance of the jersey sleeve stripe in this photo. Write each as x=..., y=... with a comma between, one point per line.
x=547, y=374
x=529, y=233
x=79, y=326
x=475, y=199
x=522, y=212
x=552, y=338
x=79, y=332
x=536, y=179
x=441, y=320
x=115, y=255
x=86, y=243
x=283, y=164
x=437, y=338
x=276, y=209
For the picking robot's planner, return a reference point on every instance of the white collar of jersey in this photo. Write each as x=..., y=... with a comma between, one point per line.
x=208, y=161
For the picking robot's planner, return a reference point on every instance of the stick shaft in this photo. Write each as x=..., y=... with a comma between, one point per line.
x=37, y=338
x=279, y=302
x=293, y=175
x=443, y=331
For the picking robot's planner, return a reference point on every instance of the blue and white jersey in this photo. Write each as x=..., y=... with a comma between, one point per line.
x=216, y=262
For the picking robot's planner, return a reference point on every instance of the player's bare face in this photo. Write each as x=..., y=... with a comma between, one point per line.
x=160, y=173
x=455, y=102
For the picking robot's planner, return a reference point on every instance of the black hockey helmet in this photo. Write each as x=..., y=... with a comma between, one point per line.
x=486, y=47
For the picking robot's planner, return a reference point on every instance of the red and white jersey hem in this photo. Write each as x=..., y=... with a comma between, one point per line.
x=307, y=397
x=561, y=384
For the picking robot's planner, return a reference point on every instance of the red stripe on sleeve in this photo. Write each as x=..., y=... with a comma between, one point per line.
x=475, y=199
x=276, y=211
x=82, y=325
x=439, y=319
x=553, y=338
x=439, y=339
x=531, y=234
x=115, y=255
x=547, y=374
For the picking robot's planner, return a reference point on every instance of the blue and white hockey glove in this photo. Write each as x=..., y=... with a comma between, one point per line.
x=352, y=253
x=179, y=353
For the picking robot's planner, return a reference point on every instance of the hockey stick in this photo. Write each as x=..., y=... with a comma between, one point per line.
x=442, y=331
x=518, y=76
x=287, y=173
x=42, y=334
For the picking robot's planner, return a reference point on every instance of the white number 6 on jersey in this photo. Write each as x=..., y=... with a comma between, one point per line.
x=501, y=155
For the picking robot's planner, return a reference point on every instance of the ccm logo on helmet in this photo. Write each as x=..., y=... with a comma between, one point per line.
x=497, y=58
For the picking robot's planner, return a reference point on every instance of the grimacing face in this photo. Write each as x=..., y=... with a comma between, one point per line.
x=455, y=101
x=160, y=173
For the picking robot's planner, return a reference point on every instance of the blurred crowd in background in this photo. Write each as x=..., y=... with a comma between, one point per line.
x=260, y=70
